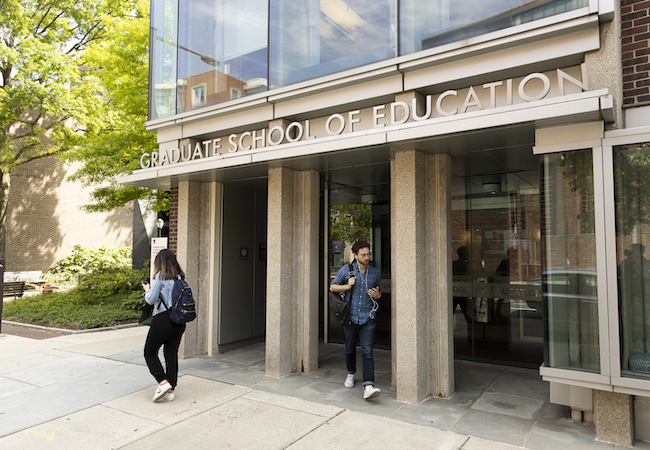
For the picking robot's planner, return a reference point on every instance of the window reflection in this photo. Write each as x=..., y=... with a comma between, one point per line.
x=569, y=280
x=312, y=38
x=632, y=196
x=222, y=52
x=225, y=45
x=162, y=79
x=429, y=24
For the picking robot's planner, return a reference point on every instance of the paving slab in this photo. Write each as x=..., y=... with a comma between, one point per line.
x=493, y=427
x=510, y=405
x=98, y=336
x=36, y=358
x=554, y=413
x=240, y=376
x=96, y=428
x=463, y=396
x=57, y=400
x=474, y=443
x=522, y=382
x=324, y=392
x=210, y=368
x=296, y=404
x=564, y=435
x=253, y=358
x=384, y=405
x=475, y=376
x=15, y=346
x=193, y=396
x=61, y=370
x=437, y=414
x=355, y=430
x=102, y=347
x=337, y=375
x=240, y=423
x=11, y=387
x=285, y=385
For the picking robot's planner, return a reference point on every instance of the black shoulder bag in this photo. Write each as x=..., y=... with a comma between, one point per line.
x=339, y=308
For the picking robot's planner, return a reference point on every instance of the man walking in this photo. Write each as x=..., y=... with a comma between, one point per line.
x=361, y=284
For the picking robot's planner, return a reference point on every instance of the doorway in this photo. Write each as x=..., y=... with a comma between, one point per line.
x=497, y=299
x=356, y=206
x=242, y=306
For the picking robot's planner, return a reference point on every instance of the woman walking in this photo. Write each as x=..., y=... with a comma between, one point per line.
x=163, y=332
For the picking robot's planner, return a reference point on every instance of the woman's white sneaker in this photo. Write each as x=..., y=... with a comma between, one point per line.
x=161, y=390
x=349, y=381
x=169, y=396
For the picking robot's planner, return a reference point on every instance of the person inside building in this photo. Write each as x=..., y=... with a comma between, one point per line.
x=460, y=270
x=163, y=332
x=364, y=291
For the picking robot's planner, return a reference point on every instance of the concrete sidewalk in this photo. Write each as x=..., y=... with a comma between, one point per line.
x=94, y=391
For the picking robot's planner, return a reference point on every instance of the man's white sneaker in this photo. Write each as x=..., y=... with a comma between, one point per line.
x=370, y=392
x=349, y=381
x=169, y=396
x=161, y=390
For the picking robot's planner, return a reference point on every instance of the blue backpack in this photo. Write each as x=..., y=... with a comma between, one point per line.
x=183, y=309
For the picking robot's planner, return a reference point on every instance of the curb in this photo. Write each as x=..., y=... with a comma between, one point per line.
x=66, y=331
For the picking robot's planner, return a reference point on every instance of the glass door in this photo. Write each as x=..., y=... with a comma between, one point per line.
x=358, y=208
x=497, y=296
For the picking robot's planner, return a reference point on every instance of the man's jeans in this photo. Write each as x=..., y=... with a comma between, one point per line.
x=365, y=333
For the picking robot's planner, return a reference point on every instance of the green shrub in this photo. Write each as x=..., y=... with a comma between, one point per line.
x=108, y=297
x=111, y=282
x=62, y=310
x=85, y=260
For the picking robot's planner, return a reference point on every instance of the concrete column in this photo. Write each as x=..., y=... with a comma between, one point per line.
x=439, y=270
x=189, y=251
x=211, y=276
x=306, y=276
x=292, y=272
x=614, y=417
x=423, y=349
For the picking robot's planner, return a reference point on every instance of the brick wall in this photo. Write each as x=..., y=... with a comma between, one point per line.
x=172, y=243
x=635, y=39
x=44, y=219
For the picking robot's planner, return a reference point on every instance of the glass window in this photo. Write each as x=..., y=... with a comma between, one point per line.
x=198, y=95
x=569, y=282
x=222, y=45
x=429, y=24
x=312, y=38
x=162, y=59
x=632, y=196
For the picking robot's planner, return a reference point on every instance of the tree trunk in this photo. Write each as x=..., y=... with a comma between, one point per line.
x=5, y=178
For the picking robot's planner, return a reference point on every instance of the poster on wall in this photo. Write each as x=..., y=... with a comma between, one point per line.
x=157, y=244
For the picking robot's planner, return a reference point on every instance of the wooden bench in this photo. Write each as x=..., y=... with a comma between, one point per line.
x=13, y=288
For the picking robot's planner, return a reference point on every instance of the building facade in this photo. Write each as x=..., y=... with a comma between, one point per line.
x=45, y=220
x=492, y=153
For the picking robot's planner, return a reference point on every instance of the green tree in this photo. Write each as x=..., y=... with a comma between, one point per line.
x=47, y=101
x=632, y=187
x=120, y=63
x=351, y=223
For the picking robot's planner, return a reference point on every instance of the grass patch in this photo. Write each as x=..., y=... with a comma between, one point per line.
x=113, y=297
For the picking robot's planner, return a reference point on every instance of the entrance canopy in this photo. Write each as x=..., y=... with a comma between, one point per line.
x=485, y=135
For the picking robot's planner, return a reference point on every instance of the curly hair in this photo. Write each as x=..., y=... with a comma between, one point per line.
x=359, y=245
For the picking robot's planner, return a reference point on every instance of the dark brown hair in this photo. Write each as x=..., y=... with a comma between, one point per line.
x=359, y=245
x=167, y=265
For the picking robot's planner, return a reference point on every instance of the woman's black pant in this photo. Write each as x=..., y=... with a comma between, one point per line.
x=163, y=332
